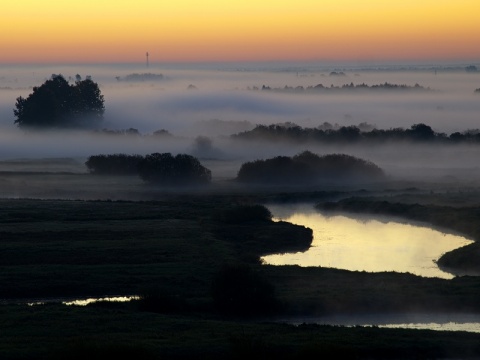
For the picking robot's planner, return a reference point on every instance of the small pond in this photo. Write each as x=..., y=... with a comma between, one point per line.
x=366, y=243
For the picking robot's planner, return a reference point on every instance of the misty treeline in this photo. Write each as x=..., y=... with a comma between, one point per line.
x=158, y=168
x=309, y=168
x=59, y=104
x=141, y=77
x=346, y=87
x=356, y=134
x=132, y=132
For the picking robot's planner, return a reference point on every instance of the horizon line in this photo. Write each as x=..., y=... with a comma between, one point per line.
x=390, y=62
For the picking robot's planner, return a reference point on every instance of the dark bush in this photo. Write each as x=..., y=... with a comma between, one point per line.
x=339, y=166
x=166, y=169
x=114, y=164
x=308, y=168
x=280, y=169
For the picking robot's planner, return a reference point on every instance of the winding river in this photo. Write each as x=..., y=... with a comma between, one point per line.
x=366, y=243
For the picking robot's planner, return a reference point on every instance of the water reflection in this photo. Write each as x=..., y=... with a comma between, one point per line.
x=85, y=302
x=360, y=243
x=438, y=322
x=81, y=302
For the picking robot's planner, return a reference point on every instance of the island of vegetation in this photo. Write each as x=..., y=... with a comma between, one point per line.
x=157, y=168
x=309, y=168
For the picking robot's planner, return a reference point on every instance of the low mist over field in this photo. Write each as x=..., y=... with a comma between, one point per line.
x=195, y=109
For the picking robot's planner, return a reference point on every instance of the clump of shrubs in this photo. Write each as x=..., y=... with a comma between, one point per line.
x=164, y=169
x=114, y=164
x=309, y=168
x=167, y=169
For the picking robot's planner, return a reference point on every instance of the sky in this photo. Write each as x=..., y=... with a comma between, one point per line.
x=106, y=31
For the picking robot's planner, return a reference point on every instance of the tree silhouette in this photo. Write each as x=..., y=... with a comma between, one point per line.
x=421, y=132
x=57, y=104
x=113, y=164
x=309, y=168
x=166, y=169
x=326, y=133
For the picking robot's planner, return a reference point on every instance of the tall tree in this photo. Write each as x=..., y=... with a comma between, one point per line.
x=58, y=104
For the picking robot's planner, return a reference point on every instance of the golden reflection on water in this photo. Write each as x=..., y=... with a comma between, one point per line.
x=438, y=322
x=362, y=244
x=450, y=326
x=84, y=302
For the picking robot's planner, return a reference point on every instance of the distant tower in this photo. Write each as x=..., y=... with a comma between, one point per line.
x=147, y=59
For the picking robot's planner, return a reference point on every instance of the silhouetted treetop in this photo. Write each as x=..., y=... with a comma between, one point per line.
x=113, y=164
x=164, y=169
x=58, y=104
x=167, y=169
x=309, y=168
x=471, y=68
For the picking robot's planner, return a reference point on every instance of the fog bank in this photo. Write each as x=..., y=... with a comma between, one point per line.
x=217, y=100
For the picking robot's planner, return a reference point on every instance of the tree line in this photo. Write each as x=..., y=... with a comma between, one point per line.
x=345, y=87
x=353, y=134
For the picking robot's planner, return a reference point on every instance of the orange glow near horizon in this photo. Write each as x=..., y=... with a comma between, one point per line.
x=187, y=30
